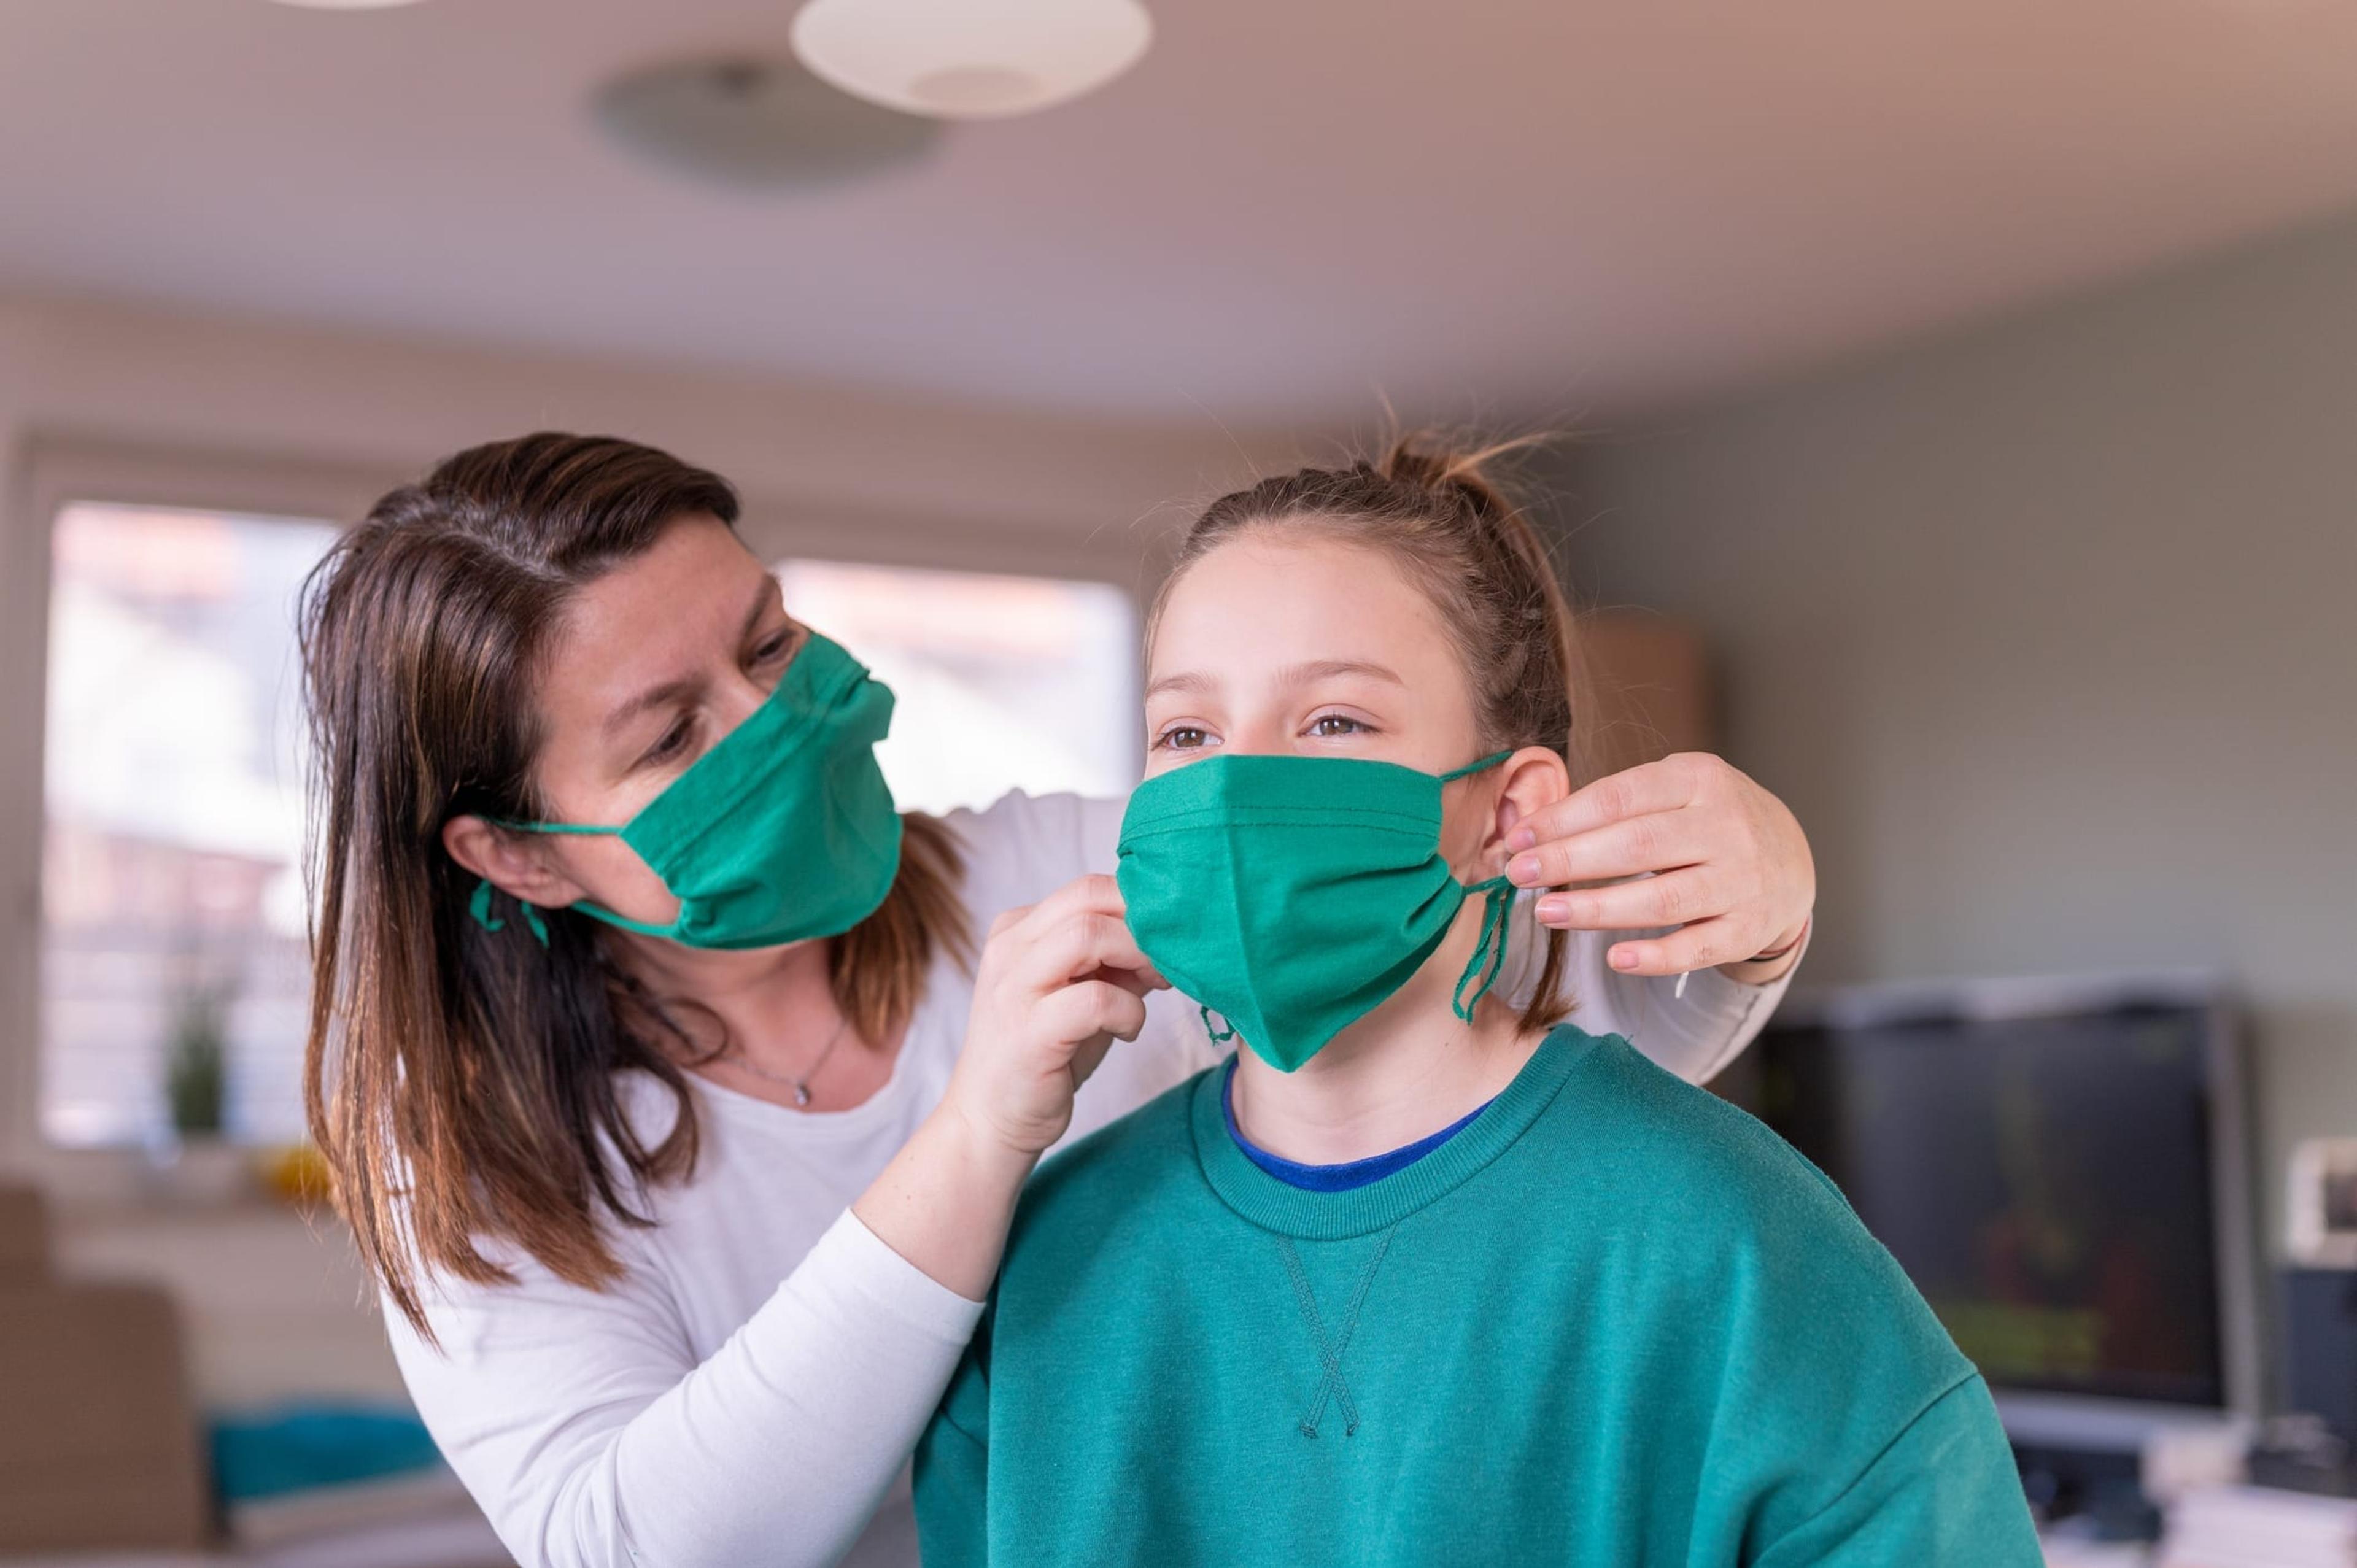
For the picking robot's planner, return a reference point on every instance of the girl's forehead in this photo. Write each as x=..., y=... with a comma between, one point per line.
x=1270, y=599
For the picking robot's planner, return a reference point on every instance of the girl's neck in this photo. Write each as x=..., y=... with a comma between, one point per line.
x=1402, y=1072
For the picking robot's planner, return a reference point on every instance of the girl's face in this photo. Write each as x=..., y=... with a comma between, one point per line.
x=1280, y=643
x=654, y=662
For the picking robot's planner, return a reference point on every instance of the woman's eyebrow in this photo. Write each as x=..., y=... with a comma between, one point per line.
x=763, y=597
x=658, y=696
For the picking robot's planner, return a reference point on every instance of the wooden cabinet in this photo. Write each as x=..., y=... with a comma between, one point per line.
x=1650, y=691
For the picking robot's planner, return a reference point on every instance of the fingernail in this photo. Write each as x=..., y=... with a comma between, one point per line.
x=1623, y=958
x=1525, y=869
x=1522, y=838
x=1553, y=911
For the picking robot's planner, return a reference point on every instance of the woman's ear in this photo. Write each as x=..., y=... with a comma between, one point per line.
x=1532, y=780
x=515, y=868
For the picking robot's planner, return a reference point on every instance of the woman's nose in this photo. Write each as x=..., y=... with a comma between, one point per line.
x=737, y=699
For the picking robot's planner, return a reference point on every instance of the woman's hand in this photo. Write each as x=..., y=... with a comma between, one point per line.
x=1729, y=865
x=1059, y=982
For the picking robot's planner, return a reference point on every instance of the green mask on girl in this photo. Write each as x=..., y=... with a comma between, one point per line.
x=783, y=831
x=1293, y=894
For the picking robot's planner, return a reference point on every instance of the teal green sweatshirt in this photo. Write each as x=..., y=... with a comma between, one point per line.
x=1613, y=1321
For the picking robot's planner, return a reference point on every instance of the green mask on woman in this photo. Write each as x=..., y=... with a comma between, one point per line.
x=1293, y=894
x=783, y=830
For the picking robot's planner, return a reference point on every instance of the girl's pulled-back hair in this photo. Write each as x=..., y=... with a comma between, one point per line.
x=1441, y=517
x=462, y=1084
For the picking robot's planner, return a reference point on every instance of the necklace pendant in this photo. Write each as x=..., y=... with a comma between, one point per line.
x=801, y=1095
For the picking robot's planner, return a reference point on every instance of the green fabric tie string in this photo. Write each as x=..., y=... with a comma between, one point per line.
x=480, y=906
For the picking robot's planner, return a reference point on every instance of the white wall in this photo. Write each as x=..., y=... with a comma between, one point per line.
x=2049, y=633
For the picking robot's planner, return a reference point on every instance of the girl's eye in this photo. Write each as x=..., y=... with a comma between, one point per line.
x=774, y=647
x=1327, y=726
x=1184, y=738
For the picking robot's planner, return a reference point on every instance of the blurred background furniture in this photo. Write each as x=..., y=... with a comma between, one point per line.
x=100, y=1445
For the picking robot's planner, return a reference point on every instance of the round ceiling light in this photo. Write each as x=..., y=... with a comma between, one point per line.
x=756, y=122
x=971, y=60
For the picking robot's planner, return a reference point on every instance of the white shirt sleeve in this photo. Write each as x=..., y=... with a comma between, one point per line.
x=1693, y=1030
x=579, y=1420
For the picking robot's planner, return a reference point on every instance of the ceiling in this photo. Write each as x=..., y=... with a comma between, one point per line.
x=1525, y=209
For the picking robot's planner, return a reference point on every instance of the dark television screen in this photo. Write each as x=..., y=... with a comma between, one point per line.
x=2046, y=1183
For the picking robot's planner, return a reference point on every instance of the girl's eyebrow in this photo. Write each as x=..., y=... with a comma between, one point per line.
x=1291, y=675
x=1327, y=669
x=1187, y=682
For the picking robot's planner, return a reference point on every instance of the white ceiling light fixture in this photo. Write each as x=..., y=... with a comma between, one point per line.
x=755, y=124
x=971, y=60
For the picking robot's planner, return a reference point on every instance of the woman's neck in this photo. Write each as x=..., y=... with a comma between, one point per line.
x=1402, y=1072
x=774, y=1009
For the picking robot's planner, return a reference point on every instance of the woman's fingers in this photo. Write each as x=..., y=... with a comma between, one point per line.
x=1704, y=945
x=1639, y=791
x=1076, y=931
x=1660, y=841
x=1674, y=898
x=1087, y=1009
x=1084, y=944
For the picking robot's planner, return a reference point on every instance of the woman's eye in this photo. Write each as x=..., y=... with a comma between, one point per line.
x=1325, y=726
x=774, y=647
x=673, y=740
x=1184, y=738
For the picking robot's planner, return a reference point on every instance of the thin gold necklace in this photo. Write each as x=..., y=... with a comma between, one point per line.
x=799, y=1083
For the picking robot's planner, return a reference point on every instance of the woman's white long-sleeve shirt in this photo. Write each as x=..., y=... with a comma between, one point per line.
x=749, y=1393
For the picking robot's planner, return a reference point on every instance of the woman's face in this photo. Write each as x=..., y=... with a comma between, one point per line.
x=654, y=663
x=1313, y=647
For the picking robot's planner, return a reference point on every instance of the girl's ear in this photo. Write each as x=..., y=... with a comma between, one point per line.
x=1532, y=779
x=514, y=866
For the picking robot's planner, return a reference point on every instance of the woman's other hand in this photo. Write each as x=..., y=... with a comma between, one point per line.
x=1729, y=868
x=1059, y=982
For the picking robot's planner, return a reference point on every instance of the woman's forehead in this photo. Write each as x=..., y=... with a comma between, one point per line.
x=660, y=615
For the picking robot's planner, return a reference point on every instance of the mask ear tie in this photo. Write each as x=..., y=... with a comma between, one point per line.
x=1490, y=953
x=1470, y=768
x=1218, y=1035
x=480, y=906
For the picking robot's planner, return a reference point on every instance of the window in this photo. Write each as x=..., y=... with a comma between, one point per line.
x=172, y=891
x=1004, y=682
x=172, y=895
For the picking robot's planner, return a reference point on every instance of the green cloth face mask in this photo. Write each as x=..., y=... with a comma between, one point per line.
x=1293, y=894
x=783, y=830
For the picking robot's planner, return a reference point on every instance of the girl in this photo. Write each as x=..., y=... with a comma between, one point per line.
x=664, y=1098
x=1422, y=1275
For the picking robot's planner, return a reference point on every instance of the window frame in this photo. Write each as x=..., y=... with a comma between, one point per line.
x=51, y=472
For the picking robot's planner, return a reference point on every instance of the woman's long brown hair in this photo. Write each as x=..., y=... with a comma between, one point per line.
x=462, y=1082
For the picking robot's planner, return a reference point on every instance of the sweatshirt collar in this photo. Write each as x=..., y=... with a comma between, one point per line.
x=1274, y=1204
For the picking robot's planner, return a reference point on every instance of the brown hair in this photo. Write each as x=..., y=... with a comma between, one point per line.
x=1450, y=526
x=461, y=1084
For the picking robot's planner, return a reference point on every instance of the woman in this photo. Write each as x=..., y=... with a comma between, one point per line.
x=663, y=1098
x=1423, y=1277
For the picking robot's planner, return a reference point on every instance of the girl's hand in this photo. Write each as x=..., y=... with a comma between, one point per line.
x=1730, y=867
x=1057, y=983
